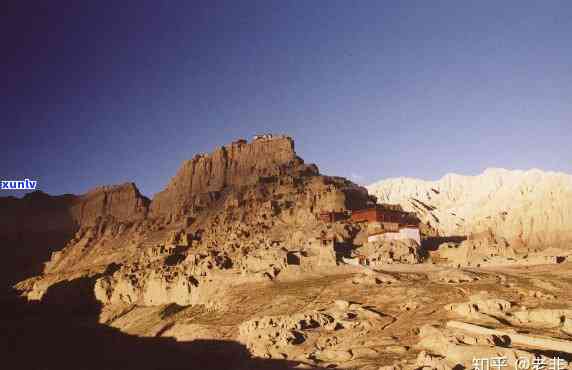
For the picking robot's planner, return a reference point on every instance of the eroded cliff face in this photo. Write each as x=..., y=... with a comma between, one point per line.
x=239, y=163
x=33, y=227
x=530, y=209
x=39, y=211
x=123, y=203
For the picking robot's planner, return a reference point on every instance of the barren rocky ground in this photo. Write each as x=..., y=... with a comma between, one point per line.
x=342, y=320
x=350, y=318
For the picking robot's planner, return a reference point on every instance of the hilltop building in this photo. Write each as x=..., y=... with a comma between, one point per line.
x=266, y=136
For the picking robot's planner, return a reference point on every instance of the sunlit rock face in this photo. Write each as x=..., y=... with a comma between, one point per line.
x=239, y=163
x=528, y=208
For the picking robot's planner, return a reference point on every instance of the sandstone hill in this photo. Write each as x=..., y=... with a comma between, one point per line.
x=244, y=209
x=530, y=209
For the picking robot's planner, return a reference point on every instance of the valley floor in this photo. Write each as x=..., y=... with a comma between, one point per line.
x=348, y=317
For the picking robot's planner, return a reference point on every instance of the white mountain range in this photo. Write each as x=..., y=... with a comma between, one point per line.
x=529, y=208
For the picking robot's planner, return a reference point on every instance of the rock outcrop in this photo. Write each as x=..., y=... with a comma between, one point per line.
x=240, y=163
x=39, y=211
x=391, y=251
x=33, y=227
x=295, y=335
x=530, y=209
x=123, y=203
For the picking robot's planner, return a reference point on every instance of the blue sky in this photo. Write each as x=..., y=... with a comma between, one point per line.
x=106, y=92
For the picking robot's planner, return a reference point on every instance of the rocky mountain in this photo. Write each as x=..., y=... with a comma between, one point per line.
x=531, y=209
x=242, y=209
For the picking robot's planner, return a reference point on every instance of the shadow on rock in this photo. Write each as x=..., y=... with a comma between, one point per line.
x=24, y=253
x=433, y=243
x=62, y=332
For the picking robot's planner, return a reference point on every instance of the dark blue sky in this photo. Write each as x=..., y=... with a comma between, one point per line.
x=104, y=92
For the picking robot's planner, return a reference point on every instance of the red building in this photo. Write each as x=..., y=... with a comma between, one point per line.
x=379, y=213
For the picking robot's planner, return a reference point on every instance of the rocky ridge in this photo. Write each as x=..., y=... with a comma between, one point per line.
x=530, y=209
x=237, y=214
x=38, y=224
x=236, y=164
